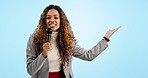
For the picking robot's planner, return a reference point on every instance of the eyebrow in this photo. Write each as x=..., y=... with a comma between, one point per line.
x=53, y=15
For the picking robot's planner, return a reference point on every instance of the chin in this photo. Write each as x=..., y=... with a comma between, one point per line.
x=53, y=30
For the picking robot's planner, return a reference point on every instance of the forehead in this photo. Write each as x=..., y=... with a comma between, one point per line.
x=53, y=12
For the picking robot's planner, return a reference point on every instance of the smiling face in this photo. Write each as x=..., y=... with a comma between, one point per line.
x=53, y=19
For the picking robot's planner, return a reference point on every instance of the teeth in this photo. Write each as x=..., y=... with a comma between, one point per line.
x=52, y=24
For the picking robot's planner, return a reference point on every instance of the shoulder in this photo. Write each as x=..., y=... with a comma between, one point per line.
x=30, y=39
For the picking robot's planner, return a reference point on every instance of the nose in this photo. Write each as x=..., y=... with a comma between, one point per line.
x=52, y=21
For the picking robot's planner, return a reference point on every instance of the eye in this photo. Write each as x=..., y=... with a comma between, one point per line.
x=56, y=17
x=47, y=18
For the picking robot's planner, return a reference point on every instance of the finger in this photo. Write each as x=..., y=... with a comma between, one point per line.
x=116, y=29
x=112, y=32
x=46, y=44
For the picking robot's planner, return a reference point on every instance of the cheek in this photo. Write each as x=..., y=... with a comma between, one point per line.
x=58, y=22
x=58, y=25
x=47, y=21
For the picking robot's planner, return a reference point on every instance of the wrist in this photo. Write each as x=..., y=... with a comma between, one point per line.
x=106, y=39
x=44, y=55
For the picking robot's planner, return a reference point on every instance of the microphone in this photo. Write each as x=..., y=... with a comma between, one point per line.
x=49, y=32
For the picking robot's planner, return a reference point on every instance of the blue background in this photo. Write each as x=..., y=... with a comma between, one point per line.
x=126, y=56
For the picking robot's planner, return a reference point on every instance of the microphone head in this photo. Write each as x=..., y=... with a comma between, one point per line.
x=49, y=31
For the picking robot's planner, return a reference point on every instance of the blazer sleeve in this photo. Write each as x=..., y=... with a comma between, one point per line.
x=89, y=55
x=34, y=63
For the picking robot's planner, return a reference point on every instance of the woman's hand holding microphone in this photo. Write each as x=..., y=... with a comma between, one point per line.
x=46, y=48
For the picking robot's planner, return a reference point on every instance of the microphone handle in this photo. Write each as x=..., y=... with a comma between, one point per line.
x=48, y=37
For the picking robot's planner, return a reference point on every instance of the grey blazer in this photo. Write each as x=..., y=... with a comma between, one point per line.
x=38, y=67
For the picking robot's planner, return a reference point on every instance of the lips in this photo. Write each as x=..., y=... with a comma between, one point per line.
x=52, y=25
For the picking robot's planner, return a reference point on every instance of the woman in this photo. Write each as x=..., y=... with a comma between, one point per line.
x=53, y=59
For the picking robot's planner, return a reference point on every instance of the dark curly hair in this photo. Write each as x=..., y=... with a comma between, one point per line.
x=65, y=38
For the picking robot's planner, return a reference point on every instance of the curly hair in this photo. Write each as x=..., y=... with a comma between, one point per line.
x=65, y=38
